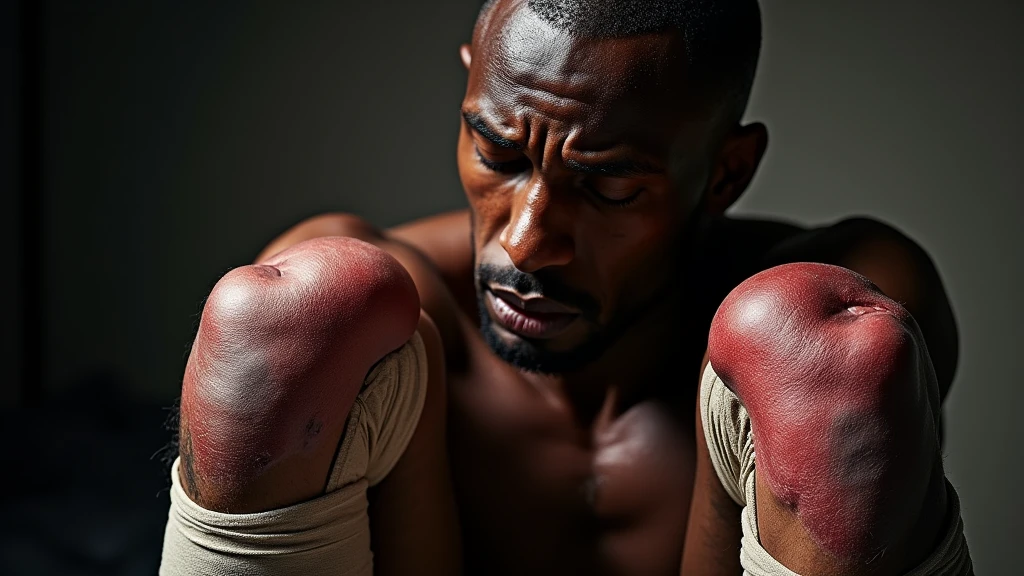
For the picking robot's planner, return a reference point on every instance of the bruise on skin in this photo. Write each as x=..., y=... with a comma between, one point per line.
x=834, y=380
x=188, y=474
x=313, y=428
x=261, y=460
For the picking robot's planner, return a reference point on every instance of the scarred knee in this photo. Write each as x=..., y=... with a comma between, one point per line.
x=842, y=399
x=282, y=350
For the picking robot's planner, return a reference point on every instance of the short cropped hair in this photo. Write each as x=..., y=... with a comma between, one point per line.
x=722, y=37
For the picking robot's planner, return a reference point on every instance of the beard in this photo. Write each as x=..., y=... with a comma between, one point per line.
x=527, y=355
x=531, y=355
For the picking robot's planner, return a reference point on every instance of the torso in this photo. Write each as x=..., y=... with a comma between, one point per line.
x=544, y=490
x=541, y=492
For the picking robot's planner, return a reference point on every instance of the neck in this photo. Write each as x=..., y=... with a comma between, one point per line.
x=651, y=354
x=657, y=355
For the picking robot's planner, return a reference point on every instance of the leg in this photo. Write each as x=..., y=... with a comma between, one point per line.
x=310, y=382
x=843, y=409
x=282, y=350
x=713, y=531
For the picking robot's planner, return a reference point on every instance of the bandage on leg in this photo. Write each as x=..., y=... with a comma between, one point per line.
x=330, y=533
x=730, y=442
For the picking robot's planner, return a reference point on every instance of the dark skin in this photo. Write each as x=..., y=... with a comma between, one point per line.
x=589, y=163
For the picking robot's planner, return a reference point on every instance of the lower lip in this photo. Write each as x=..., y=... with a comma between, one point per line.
x=529, y=324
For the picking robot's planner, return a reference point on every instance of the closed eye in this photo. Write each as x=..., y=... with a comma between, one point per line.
x=616, y=192
x=514, y=166
x=620, y=202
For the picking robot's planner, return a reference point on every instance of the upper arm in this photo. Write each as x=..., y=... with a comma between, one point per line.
x=412, y=511
x=713, y=531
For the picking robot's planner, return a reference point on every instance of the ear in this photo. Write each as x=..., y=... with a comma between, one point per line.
x=466, y=55
x=738, y=159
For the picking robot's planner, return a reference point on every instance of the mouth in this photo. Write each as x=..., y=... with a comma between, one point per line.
x=529, y=317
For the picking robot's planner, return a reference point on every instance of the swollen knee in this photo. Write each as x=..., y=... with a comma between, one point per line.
x=840, y=391
x=281, y=353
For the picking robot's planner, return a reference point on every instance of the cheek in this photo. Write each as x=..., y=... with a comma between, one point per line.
x=490, y=217
x=633, y=265
x=489, y=196
x=465, y=161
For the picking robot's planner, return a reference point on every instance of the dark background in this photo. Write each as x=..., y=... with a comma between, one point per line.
x=148, y=147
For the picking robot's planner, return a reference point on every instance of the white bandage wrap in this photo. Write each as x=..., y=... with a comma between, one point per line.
x=327, y=535
x=731, y=446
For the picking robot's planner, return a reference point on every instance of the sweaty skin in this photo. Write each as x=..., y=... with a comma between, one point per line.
x=257, y=367
x=283, y=350
x=841, y=397
x=599, y=193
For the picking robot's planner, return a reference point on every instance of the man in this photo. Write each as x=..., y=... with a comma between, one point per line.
x=512, y=389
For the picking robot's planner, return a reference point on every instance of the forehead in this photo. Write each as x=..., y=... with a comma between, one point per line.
x=608, y=88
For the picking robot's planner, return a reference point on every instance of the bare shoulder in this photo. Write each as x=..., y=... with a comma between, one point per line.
x=319, y=226
x=445, y=240
x=859, y=240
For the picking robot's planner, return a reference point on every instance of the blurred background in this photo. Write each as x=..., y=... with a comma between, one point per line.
x=148, y=147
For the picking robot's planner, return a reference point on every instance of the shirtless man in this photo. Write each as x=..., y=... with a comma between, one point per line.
x=562, y=324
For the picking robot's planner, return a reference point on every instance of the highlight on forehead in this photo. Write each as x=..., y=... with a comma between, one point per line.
x=525, y=54
x=610, y=18
x=722, y=37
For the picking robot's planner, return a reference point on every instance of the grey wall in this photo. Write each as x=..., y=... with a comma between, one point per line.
x=181, y=136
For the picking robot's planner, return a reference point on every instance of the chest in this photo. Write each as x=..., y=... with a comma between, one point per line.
x=613, y=497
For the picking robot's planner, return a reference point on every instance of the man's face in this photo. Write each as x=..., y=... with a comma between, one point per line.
x=582, y=163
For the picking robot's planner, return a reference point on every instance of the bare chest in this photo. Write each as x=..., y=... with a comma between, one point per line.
x=541, y=492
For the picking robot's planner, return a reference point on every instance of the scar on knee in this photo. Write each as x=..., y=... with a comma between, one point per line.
x=267, y=270
x=188, y=471
x=313, y=428
x=857, y=444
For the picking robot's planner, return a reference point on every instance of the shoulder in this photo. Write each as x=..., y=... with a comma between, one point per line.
x=445, y=240
x=892, y=260
x=765, y=243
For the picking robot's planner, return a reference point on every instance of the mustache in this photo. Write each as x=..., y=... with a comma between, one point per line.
x=544, y=284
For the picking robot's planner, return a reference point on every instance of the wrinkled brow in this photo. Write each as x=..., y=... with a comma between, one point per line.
x=477, y=123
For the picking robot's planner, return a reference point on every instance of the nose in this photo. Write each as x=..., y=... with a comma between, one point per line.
x=537, y=232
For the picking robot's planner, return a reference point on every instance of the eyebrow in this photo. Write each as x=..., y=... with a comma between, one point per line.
x=616, y=169
x=478, y=124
